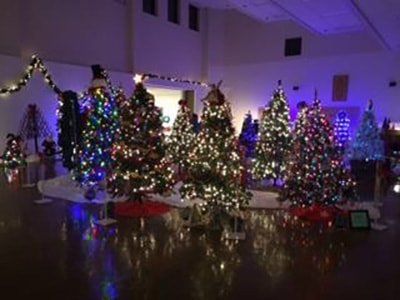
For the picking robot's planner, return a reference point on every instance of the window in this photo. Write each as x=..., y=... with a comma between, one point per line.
x=293, y=46
x=173, y=11
x=194, y=17
x=150, y=7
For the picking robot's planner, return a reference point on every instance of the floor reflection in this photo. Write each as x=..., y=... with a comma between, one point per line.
x=160, y=258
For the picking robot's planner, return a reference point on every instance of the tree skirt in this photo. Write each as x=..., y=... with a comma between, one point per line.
x=141, y=210
x=317, y=213
x=63, y=187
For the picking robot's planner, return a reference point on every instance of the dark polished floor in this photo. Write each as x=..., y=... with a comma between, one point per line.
x=55, y=252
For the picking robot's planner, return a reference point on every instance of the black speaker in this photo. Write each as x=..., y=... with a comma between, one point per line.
x=392, y=83
x=293, y=46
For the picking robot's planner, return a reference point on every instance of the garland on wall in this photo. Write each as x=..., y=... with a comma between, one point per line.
x=146, y=76
x=36, y=64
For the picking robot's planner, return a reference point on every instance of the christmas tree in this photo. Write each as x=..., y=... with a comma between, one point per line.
x=275, y=140
x=13, y=156
x=368, y=144
x=100, y=126
x=34, y=126
x=316, y=174
x=139, y=164
x=69, y=127
x=341, y=128
x=215, y=167
x=248, y=135
x=181, y=140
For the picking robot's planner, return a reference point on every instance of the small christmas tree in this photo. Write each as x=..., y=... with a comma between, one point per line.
x=341, y=128
x=248, y=135
x=316, y=174
x=275, y=139
x=368, y=144
x=93, y=154
x=34, y=126
x=139, y=164
x=13, y=156
x=215, y=167
x=181, y=140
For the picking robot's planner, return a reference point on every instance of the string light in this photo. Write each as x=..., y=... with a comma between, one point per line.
x=143, y=77
x=35, y=64
x=275, y=141
x=316, y=172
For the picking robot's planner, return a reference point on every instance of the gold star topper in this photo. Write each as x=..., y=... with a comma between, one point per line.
x=138, y=78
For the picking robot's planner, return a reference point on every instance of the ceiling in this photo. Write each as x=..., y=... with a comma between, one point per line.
x=381, y=18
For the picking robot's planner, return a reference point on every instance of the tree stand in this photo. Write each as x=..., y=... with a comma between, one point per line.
x=107, y=220
x=236, y=230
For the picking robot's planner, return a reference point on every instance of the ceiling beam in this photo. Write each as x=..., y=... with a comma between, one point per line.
x=368, y=24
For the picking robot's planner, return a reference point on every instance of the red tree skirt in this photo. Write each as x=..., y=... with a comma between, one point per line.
x=140, y=210
x=317, y=213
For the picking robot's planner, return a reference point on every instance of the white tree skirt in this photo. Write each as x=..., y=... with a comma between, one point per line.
x=63, y=187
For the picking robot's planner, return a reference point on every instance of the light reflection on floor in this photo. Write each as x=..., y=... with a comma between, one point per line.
x=57, y=252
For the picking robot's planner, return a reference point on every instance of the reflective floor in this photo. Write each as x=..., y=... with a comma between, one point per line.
x=54, y=251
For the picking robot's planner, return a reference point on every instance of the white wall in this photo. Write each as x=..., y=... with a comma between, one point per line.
x=254, y=62
x=71, y=35
x=166, y=48
x=12, y=107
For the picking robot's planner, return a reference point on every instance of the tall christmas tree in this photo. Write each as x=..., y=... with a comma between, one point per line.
x=248, y=135
x=316, y=173
x=368, y=144
x=13, y=156
x=69, y=126
x=341, y=128
x=139, y=164
x=181, y=140
x=34, y=126
x=275, y=139
x=100, y=127
x=215, y=167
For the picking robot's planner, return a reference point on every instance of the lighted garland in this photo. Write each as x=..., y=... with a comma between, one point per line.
x=172, y=79
x=36, y=64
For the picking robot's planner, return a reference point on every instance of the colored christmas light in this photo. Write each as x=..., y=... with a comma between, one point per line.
x=93, y=155
x=139, y=164
x=341, y=129
x=316, y=172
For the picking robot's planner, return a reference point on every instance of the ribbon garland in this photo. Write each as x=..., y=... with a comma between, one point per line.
x=35, y=64
x=174, y=79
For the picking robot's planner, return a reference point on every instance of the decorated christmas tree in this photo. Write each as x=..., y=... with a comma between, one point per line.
x=215, y=167
x=139, y=164
x=341, y=128
x=69, y=126
x=248, y=135
x=100, y=127
x=368, y=144
x=34, y=126
x=181, y=140
x=275, y=139
x=316, y=173
x=13, y=156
